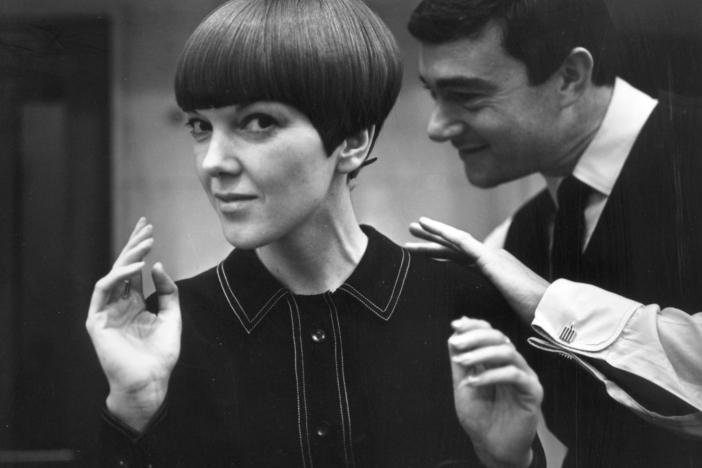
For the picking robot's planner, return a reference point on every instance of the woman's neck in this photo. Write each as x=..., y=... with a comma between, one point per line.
x=319, y=255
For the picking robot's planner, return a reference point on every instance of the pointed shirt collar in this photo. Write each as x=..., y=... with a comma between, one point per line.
x=600, y=164
x=376, y=284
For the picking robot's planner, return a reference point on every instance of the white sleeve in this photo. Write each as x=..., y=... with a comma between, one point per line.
x=662, y=347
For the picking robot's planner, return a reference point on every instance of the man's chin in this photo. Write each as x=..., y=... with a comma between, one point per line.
x=480, y=179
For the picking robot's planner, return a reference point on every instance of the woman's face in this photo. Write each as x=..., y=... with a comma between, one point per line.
x=264, y=169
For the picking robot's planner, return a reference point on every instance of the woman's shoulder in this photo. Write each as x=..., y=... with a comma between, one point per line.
x=419, y=267
x=462, y=279
x=200, y=284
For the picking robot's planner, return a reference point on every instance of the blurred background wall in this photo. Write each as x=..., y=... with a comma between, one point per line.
x=91, y=140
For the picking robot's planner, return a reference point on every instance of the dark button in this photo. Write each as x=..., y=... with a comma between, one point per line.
x=319, y=336
x=322, y=430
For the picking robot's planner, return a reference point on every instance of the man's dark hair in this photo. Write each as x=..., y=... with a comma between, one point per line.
x=539, y=33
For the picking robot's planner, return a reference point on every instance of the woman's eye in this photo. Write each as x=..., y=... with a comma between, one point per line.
x=259, y=123
x=198, y=127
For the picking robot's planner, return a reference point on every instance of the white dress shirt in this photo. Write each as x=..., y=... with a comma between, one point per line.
x=663, y=346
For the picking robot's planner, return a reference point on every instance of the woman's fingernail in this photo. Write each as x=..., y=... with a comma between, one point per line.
x=472, y=380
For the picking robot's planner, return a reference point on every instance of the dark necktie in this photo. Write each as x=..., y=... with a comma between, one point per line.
x=569, y=229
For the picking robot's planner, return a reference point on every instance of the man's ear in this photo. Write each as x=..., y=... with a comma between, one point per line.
x=575, y=75
x=354, y=150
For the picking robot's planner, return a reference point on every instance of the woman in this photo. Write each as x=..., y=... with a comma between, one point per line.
x=316, y=341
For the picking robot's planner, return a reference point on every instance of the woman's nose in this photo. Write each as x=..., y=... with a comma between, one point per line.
x=444, y=126
x=221, y=156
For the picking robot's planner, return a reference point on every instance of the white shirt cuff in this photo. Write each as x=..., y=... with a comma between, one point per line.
x=580, y=317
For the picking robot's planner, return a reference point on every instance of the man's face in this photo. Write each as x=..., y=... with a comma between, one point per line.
x=502, y=127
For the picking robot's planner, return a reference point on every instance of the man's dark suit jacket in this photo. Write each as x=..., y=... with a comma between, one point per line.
x=647, y=246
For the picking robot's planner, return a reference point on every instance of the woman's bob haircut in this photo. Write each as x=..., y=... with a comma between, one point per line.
x=333, y=60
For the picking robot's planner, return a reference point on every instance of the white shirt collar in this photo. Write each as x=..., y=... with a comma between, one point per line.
x=600, y=164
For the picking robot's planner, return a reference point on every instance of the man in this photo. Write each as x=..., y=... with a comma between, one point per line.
x=523, y=87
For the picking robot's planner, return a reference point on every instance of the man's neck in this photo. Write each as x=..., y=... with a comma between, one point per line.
x=586, y=120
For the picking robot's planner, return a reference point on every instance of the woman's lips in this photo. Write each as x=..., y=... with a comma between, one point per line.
x=232, y=202
x=233, y=197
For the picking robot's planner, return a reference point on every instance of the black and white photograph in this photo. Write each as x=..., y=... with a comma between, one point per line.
x=351, y=233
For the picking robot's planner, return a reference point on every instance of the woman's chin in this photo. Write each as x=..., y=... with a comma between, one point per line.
x=245, y=243
x=244, y=239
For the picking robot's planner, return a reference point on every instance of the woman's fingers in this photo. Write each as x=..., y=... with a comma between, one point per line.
x=476, y=347
x=526, y=382
x=112, y=285
x=461, y=342
x=465, y=324
x=137, y=254
x=141, y=222
x=142, y=230
x=136, y=249
x=138, y=228
x=169, y=308
x=491, y=356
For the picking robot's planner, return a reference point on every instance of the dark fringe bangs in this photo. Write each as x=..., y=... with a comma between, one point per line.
x=223, y=61
x=332, y=60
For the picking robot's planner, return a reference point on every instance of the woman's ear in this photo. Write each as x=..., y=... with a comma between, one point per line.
x=576, y=75
x=354, y=150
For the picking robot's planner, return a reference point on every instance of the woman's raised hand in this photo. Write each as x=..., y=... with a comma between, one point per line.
x=136, y=348
x=498, y=396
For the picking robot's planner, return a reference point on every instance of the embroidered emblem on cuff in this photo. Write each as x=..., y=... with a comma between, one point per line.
x=568, y=333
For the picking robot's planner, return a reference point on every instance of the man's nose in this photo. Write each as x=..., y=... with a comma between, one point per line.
x=444, y=125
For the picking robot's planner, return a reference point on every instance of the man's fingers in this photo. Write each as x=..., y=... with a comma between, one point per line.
x=437, y=251
x=460, y=239
x=417, y=231
x=106, y=287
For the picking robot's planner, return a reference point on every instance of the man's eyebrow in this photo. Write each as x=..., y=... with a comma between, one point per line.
x=476, y=84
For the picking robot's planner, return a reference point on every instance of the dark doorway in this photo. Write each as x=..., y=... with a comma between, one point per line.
x=55, y=235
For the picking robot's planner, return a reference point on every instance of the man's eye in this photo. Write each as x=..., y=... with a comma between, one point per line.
x=431, y=92
x=457, y=96
x=259, y=123
x=198, y=127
